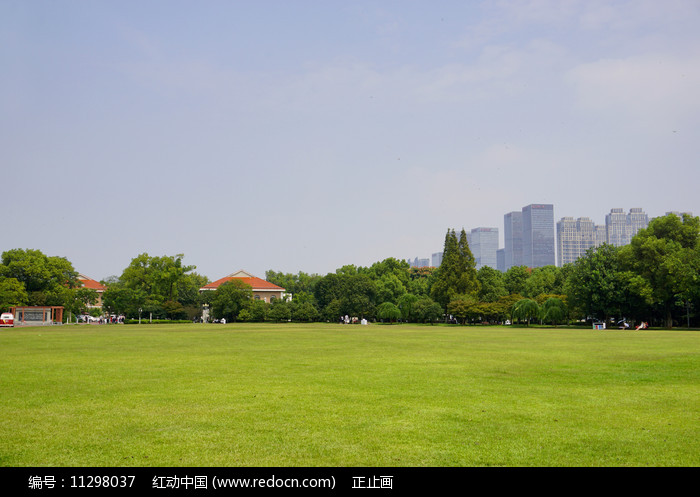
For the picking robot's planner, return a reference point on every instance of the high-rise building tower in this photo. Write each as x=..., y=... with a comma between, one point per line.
x=636, y=220
x=600, y=236
x=420, y=262
x=501, y=260
x=616, y=227
x=568, y=246
x=621, y=227
x=538, y=235
x=437, y=259
x=483, y=242
x=574, y=238
x=681, y=215
x=513, y=238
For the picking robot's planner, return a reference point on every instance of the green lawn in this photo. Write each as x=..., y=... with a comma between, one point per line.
x=333, y=395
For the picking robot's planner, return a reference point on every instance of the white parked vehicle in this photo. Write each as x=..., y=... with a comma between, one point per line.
x=7, y=320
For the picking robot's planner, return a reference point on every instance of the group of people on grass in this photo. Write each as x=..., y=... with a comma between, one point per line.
x=354, y=320
x=641, y=326
x=103, y=319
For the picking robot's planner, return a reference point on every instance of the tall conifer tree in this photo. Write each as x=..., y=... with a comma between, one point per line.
x=468, y=280
x=457, y=272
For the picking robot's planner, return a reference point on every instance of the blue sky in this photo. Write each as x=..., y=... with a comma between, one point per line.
x=306, y=135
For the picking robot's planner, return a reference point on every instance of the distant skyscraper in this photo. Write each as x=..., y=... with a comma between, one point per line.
x=538, y=235
x=437, y=259
x=616, y=227
x=568, y=247
x=600, y=237
x=574, y=238
x=636, y=220
x=501, y=260
x=680, y=214
x=621, y=227
x=513, y=237
x=420, y=262
x=483, y=243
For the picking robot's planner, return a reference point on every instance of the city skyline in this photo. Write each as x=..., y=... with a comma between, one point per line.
x=568, y=239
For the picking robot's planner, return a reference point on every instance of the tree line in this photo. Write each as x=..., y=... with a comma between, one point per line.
x=656, y=278
x=29, y=277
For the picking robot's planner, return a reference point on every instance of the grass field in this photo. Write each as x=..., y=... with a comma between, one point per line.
x=333, y=395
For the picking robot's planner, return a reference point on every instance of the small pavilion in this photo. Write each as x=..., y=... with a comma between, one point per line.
x=37, y=315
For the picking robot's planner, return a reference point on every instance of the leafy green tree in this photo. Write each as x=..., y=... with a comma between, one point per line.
x=139, y=274
x=492, y=284
x=515, y=279
x=388, y=311
x=174, y=310
x=390, y=267
x=332, y=311
x=79, y=300
x=347, y=270
x=405, y=304
x=468, y=282
x=598, y=286
x=188, y=286
x=305, y=311
x=279, y=310
x=328, y=289
x=493, y=312
x=44, y=278
x=156, y=280
x=12, y=293
x=442, y=289
x=502, y=309
x=30, y=267
x=659, y=255
x=685, y=268
x=543, y=280
x=95, y=312
x=553, y=311
x=427, y=310
x=463, y=307
x=156, y=276
x=420, y=280
x=118, y=299
x=230, y=299
x=456, y=274
x=389, y=288
x=293, y=283
x=359, y=296
x=303, y=307
x=37, y=271
x=257, y=309
x=526, y=310
x=354, y=291
x=303, y=297
x=245, y=316
x=505, y=306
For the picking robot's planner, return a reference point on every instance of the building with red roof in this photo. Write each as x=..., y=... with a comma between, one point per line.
x=262, y=289
x=93, y=285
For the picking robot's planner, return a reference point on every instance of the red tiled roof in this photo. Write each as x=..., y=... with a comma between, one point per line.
x=90, y=283
x=254, y=282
